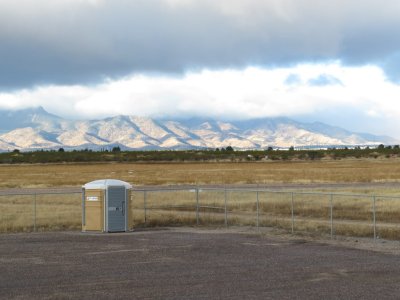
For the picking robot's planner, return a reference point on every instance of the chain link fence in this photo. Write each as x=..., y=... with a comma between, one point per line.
x=328, y=214
x=40, y=211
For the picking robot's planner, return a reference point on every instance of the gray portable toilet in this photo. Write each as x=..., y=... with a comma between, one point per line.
x=106, y=206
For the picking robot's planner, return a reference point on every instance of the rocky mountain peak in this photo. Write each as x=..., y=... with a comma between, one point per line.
x=35, y=128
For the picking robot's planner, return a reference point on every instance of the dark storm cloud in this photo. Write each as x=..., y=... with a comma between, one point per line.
x=83, y=41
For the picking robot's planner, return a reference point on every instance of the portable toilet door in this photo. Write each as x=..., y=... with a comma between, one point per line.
x=116, y=204
x=105, y=206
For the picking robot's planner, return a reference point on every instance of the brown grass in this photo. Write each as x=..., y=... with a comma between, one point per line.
x=60, y=175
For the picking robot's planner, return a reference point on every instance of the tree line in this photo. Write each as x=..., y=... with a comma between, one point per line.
x=219, y=154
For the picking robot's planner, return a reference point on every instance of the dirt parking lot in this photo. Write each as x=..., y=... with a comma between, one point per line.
x=188, y=263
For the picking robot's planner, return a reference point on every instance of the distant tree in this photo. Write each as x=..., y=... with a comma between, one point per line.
x=16, y=151
x=291, y=148
x=217, y=149
x=229, y=148
x=381, y=146
x=61, y=150
x=388, y=147
x=396, y=147
x=269, y=149
x=116, y=149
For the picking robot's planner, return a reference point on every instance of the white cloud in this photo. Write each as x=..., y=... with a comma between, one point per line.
x=247, y=93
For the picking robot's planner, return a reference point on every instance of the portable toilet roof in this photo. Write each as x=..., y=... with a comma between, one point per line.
x=103, y=184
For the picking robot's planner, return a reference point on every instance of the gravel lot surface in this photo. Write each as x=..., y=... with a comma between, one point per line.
x=190, y=263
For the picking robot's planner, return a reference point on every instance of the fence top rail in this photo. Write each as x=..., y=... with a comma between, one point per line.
x=185, y=189
x=66, y=191
x=386, y=197
x=248, y=190
x=319, y=193
x=30, y=192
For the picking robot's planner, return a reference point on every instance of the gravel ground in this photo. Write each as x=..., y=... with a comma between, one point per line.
x=190, y=263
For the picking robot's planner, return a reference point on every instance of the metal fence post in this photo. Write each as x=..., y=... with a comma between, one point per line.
x=331, y=200
x=145, y=206
x=197, y=206
x=292, y=212
x=258, y=211
x=34, y=212
x=374, y=216
x=83, y=208
x=226, y=209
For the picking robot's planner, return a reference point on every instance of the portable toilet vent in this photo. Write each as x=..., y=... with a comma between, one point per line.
x=105, y=206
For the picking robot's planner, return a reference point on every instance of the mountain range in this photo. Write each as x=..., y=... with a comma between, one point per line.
x=35, y=128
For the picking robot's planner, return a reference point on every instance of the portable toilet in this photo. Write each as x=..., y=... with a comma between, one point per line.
x=105, y=206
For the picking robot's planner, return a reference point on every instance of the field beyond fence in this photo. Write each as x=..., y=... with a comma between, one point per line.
x=331, y=214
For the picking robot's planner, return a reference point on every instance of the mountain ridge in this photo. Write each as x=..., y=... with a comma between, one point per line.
x=35, y=128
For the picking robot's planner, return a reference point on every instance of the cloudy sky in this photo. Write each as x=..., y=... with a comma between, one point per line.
x=332, y=61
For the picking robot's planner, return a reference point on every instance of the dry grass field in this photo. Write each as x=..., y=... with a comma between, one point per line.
x=352, y=215
x=61, y=175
